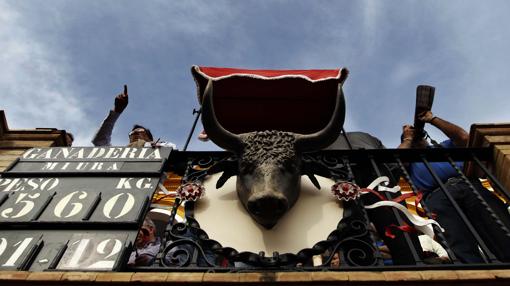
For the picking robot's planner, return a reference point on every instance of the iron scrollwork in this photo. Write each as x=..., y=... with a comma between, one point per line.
x=189, y=246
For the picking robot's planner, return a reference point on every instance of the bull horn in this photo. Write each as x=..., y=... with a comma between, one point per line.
x=328, y=135
x=219, y=135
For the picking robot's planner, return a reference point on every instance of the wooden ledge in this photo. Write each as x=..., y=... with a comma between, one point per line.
x=430, y=277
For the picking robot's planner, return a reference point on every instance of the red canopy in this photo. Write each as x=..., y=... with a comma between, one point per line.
x=300, y=101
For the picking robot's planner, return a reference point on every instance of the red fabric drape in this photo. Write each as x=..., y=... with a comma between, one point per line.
x=245, y=100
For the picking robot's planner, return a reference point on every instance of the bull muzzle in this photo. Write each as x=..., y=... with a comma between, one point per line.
x=267, y=209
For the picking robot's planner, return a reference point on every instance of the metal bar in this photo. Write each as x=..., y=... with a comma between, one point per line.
x=120, y=264
x=166, y=233
x=44, y=206
x=459, y=211
x=175, y=207
x=83, y=175
x=380, y=260
x=197, y=112
x=3, y=198
x=58, y=256
x=397, y=215
x=32, y=254
x=381, y=155
x=92, y=207
x=496, y=183
x=410, y=155
x=480, y=198
x=437, y=230
x=450, y=267
x=346, y=138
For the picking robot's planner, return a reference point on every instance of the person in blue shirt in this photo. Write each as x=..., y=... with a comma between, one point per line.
x=457, y=234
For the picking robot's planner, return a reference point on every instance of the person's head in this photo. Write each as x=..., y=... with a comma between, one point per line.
x=146, y=233
x=69, y=139
x=416, y=142
x=335, y=261
x=138, y=132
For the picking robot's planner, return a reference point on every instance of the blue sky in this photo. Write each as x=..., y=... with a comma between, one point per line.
x=62, y=62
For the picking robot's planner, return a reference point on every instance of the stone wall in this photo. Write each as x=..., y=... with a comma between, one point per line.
x=496, y=136
x=14, y=142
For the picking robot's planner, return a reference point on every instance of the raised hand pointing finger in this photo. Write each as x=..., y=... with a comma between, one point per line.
x=121, y=101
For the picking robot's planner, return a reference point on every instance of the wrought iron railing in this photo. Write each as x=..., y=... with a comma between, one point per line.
x=186, y=247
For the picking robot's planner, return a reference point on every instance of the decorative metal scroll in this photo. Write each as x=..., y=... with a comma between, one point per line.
x=187, y=245
x=190, y=246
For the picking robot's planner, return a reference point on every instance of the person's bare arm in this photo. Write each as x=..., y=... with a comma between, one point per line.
x=104, y=133
x=458, y=135
x=408, y=134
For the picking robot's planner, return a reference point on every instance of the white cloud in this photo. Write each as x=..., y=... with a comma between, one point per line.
x=57, y=58
x=35, y=85
x=404, y=72
x=371, y=23
x=475, y=90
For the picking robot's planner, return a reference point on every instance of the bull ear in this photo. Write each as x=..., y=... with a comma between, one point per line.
x=219, y=135
x=328, y=135
x=314, y=180
x=312, y=168
x=229, y=169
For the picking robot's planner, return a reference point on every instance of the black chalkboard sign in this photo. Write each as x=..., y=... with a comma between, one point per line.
x=17, y=249
x=75, y=208
x=90, y=160
x=76, y=199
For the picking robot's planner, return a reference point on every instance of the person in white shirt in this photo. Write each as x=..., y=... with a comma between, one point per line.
x=139, y=135
x=146, y=246
x=432, y=249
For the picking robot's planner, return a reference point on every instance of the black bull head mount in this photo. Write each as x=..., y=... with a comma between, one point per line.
x=269, y=164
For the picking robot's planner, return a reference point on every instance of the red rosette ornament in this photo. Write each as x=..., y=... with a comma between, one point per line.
x=346, y=191
x=190, y=191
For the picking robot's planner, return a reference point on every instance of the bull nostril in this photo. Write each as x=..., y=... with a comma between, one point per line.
x=281, y=206
x=255, y=207
x=268, y=206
